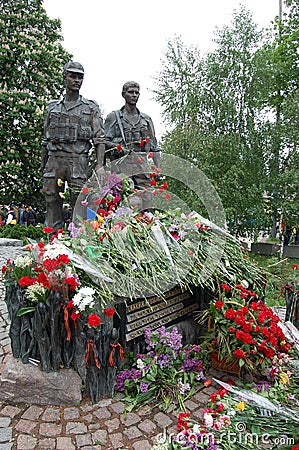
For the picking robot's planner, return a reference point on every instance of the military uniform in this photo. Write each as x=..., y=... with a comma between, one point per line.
x=69, y=131
x=119, y=130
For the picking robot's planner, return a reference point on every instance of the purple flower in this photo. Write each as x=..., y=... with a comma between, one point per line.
x=126, y=374
x=262, y=386
x=144, y=386
x=114, y=179
x=74, y=232
x=172, y=339
x=192, y=365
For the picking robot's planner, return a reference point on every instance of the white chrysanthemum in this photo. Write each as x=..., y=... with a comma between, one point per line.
x=35, y=293
x=84, y=298
x=86, y=291
x=54, y=250
x=23, y=261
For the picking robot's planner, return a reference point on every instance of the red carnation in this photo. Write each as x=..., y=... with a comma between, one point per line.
x=219, y=304
x=85, y=190
x=48, y=230
x=74, y=316
x=63, y=259
x=94, y=320
x=109, y=312
x=213, y=397
x=43, y=279
x=262, y=317
x=230, y=314
x=182, y=421
x=70, y=304
x=72, y=282
x=247, y=327
x=27, y=281
x=239, y=354
x=225, y=287
x=221, y=392
x=247, y=338
x=220, y=407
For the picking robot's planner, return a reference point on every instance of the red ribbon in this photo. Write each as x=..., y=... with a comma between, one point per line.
x=90, y=347
x=121, y=353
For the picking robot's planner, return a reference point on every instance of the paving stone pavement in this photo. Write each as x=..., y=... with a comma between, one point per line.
x=82, y=427
x=86, y=426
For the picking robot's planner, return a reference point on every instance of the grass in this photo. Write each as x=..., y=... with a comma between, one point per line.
x=278, y=272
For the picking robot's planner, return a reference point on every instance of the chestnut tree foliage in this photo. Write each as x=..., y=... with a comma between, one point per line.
x=31, y=61
x=222, y=108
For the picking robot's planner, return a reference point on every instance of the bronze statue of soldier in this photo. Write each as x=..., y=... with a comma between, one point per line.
x=72, y=126
x=130, y=137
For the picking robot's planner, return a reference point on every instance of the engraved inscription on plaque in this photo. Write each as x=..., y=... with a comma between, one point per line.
x=155, y=312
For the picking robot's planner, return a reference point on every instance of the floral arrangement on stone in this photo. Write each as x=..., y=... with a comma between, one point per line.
x=57, y=319
x=167, y=374
x=242, y=329
x=143, y=254
x=46, y=268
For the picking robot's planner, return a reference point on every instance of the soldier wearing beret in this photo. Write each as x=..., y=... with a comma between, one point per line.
x=73, y=125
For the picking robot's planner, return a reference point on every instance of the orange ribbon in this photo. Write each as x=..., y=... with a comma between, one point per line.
x=90, y=346
x=66, y=322
x=121, y=353
x=285, y=288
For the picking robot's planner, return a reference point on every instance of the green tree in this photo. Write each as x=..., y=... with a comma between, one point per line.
x=282, y=59
x=31, y=61
x=213, y=105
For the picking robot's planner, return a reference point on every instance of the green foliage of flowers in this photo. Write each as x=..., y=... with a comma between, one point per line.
x=167, y=374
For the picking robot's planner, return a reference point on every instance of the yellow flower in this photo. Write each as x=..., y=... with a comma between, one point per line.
x=59, y=182
x=100, y=219
x=61, y=194
x=283, y=378
x=241, y=406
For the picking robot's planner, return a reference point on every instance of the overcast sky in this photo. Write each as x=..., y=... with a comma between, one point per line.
x=122, y=40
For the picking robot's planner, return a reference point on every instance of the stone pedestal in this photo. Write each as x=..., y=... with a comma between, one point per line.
x=26, y=383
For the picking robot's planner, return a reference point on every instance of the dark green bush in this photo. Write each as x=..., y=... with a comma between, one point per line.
x=21, y=232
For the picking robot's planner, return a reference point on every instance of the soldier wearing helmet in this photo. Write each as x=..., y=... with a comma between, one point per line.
x=73, y=125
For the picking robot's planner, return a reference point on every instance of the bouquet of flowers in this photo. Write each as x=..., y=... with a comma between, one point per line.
x=242, y=328
x=234, y=418
x=46, y=268
x=168, y=373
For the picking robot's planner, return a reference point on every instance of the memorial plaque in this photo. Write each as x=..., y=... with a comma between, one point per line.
x=155, y=312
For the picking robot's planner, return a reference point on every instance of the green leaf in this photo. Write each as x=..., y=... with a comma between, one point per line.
x=26, y=310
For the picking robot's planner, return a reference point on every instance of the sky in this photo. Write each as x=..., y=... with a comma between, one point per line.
x=121, y=40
